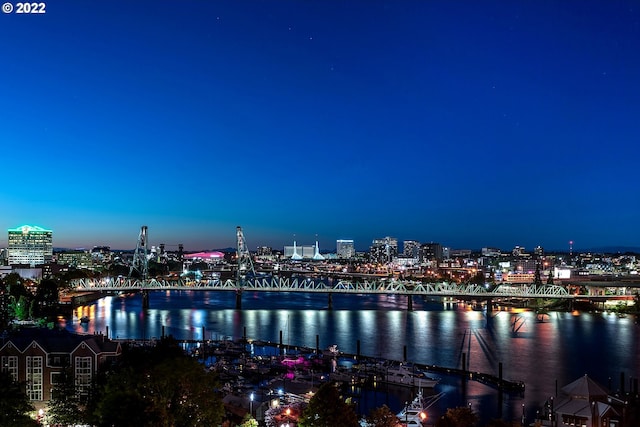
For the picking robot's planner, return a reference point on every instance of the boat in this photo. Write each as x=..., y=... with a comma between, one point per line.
x=405, y=376
x=414, y=413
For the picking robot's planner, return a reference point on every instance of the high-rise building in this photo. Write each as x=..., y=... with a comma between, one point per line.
x=345, y=249
x=431, y=252
x=410, y=248
x=30, y=245
x=384, y=250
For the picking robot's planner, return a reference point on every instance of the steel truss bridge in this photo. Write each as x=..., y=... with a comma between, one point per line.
x=341, y=286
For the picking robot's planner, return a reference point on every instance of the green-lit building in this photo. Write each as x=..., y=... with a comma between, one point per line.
x=30, y=245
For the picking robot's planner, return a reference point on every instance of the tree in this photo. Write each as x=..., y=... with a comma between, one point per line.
x=550, y=277
x=64, y=407
x=47, y=291
x=19, y=309
x=120, y=402
x=13, y=283
x=14, y=403
x=537, y=280
x=249, y=421
x=458, y=417
x=326, y=408
x=382, y=417
x=159, y=386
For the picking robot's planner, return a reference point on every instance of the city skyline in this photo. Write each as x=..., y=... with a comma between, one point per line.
x=329, y=246
x=461, y=123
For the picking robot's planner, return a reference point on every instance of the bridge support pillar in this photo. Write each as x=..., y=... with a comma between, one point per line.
x=489, y=305
x=145, y=300
x=330, y=302
x=239, y=299
x=409, y=302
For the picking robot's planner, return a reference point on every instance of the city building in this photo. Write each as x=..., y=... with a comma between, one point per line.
x=77, y=259
x=264, y=251
x=30, y=245
x=587, y=403
x=297, y=253
x=518, y=251
x=410, y=248
x=38, y=357
x=102, y=254
x=431, y=252
x=384, y=250
x=345, y=249
x=491, y=252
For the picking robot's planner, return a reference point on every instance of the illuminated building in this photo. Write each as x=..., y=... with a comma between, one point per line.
x=30, y=245
x=410, y=248
x=297, y=253
x=345, y=249
x=491, y=252
x=78, y=259
x=384, y=250
x=431, y=252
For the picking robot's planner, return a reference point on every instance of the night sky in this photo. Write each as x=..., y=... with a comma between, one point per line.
x=469, y=123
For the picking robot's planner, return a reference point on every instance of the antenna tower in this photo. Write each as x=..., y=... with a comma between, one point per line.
x=140, y=261
x=245, y=264
x=570, y=247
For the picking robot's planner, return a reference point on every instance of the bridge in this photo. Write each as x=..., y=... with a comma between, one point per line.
x=328, y=285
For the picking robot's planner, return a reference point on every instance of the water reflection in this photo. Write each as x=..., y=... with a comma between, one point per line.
x=557, y=350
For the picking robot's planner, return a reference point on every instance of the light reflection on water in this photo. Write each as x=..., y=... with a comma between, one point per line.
x=562, y=348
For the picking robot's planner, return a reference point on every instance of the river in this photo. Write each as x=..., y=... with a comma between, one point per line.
x=545, y=355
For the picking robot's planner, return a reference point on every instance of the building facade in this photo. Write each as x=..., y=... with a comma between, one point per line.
x=431, y=252
x=299, y=252
x=384, y=250
x=411, y=248
x=31, y=245
x=39, y=357
x=345, y=249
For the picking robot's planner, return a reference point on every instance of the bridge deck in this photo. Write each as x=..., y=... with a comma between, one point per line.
x=337, y=285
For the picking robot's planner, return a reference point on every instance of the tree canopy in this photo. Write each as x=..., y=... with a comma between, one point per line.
x=458, y=417
x=159, y=386
x=14, y=403
x=327, y=409
x=382, y=417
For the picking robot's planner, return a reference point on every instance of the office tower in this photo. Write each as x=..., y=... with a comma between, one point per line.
x=410, y=248
x=30, y=245
x=431, y=252
x=384, y=250
x=345, y=249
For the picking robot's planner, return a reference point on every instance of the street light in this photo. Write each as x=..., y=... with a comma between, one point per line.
x=251, y=396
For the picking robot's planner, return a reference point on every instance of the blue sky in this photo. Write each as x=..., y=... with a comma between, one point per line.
x=468, y=123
